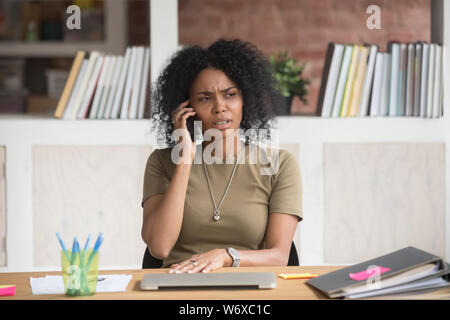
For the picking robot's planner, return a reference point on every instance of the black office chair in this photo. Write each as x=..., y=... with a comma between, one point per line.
x=150, y=262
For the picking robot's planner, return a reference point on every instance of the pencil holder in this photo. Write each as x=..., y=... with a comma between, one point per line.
x=80, y=272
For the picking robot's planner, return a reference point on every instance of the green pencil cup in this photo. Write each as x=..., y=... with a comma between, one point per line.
x=80, y=273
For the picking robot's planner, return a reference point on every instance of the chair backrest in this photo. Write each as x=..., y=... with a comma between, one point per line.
x=150, y=262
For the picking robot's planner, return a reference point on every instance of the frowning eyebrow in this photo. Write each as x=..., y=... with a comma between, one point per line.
x=208, y=92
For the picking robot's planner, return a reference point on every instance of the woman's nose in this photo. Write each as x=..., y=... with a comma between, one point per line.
x=219, y=106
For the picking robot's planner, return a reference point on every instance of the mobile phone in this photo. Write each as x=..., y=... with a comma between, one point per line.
x=190, y=125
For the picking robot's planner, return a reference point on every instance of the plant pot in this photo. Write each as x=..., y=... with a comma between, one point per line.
x=286, y=108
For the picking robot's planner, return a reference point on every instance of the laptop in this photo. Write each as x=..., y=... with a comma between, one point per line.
x=238, y=280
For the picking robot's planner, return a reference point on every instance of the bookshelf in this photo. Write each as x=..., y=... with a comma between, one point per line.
x=115, y=38
x=19, y=133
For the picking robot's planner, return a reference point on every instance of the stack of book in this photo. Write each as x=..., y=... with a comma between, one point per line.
x=360, y=81
x=105, y=86
x=408, y=273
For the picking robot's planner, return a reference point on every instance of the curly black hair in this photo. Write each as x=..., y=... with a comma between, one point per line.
x=241, y=61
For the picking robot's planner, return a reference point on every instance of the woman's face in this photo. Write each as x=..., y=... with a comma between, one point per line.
x=215, y=99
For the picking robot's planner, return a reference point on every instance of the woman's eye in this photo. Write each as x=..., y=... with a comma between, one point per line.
x=204, y=99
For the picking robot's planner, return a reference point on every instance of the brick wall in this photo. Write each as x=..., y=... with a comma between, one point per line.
x=138, y=23
x=302, y=27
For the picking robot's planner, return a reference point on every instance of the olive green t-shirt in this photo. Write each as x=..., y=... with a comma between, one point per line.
x=251, y=197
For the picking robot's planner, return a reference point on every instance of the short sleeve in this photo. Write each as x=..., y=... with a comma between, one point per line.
x=156, y=179
x=286, y=196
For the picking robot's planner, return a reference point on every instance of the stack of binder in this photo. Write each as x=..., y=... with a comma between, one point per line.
x=360, y=81
x=406, y=273
x=105, y=86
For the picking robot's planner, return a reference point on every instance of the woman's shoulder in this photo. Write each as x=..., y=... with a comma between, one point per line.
x=160, y=155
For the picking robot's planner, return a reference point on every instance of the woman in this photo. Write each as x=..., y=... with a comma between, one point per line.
x=199, y=217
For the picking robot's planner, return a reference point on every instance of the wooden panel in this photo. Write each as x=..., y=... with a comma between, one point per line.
x=381, y=197
x=79, y=190
x=294, y=149
x=2, y=208
x=311, y=227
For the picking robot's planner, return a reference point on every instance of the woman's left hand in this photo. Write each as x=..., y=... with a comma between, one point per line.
x=204, y=262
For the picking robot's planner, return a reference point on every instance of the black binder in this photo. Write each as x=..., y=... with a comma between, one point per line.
x=334, y=283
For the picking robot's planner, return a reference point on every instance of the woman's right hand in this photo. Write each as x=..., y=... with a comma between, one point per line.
x=179, y=118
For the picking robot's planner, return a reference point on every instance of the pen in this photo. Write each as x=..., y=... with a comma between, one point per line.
x=74, y=251
x=63, y=246
x=94, y=251
x=87, y=243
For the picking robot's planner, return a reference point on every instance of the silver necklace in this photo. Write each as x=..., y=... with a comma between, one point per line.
x=216, y=214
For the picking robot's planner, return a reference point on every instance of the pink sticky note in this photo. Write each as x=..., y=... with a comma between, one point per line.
x=366, y=274
x=7, y=290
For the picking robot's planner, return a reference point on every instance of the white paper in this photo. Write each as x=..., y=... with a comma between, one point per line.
x=55, y=284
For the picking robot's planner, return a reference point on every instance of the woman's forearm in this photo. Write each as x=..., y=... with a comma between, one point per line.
x=164, y=222
x=265, y=257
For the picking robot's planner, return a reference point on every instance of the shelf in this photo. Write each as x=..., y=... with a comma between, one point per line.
x=115, y=41
x=54, y=48
x=33, y=129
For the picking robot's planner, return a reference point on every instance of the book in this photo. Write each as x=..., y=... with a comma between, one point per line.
x=437, y=82
x=441, y=94
x=100, y=89
x=70, y=83
x=129, y=82
x=329, y=78
x=375, y=108
x=83, y=111
x=397, y=272
x=143, y=90
x=83, y=85
x=368, y=82
x=74, y=93
x=431, y=66
x=350, y=81
x=121, y=85
x=385, y=85
x=417, y=77
x=424, y=79
x=113, y=87
x=410, y=73
x=359, y=78
x=106, y=88
x=138, y=69
x=342, y=80
x=394, y=49
x=402, y=79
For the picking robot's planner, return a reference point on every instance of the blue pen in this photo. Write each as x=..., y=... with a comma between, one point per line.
x=94, y=251
x=98, y=242
x=87, y=243
x=63, y=246
x=74, y=251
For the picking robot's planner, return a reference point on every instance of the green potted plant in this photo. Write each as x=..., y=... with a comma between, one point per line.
x=290, y=83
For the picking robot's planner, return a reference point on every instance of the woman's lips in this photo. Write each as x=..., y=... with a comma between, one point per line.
x=222, y=126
